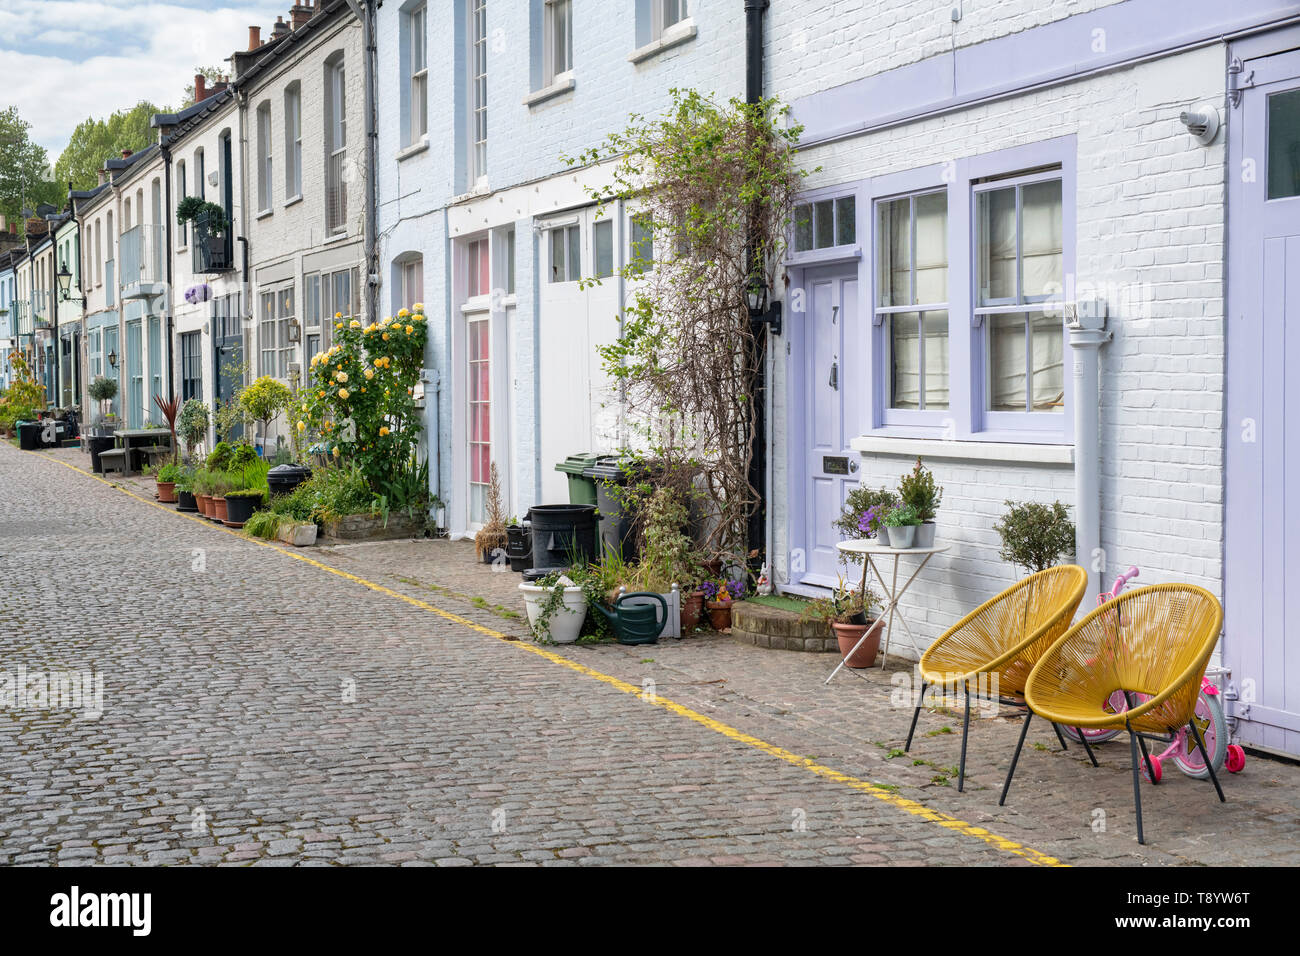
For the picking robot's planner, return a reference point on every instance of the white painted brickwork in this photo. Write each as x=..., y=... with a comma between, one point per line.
x=1150, y=217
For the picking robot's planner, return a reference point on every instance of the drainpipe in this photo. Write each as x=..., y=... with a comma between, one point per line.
x=373, y=272
x=759, y=531
x=167, y=254
x=1088, y=333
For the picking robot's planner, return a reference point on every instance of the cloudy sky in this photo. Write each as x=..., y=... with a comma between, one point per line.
x=64, y=60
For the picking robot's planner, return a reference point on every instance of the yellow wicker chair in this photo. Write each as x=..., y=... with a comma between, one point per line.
x=1154, y=641
x=1002, y=638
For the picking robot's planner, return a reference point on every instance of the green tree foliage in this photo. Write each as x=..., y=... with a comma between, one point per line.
x=94, y=141
x=24, y=169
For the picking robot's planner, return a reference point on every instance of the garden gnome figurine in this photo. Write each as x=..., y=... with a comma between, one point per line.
x=764, y=582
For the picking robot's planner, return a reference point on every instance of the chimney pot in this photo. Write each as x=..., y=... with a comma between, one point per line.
x=126, y=154
x=200, y=87
x=254, y=38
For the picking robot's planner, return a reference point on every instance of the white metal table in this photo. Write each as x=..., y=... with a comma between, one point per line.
x=870, y=550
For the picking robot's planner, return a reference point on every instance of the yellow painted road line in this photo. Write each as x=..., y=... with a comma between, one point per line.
x=945, y=820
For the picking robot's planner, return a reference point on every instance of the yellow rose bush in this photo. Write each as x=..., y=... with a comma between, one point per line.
x=375, y=426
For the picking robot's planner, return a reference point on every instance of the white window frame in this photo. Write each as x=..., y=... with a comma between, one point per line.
x=660, y=12
x=476, y=89
x=292, y=142
x=417, y=51
x=265, y=191
x=554, y=69
x=568, y=228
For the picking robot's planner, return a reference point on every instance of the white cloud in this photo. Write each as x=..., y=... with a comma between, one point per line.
x=64, y=60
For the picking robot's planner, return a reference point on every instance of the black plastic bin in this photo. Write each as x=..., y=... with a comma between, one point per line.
x=563, y=535
x=29, y=435
x=519, y=547
x=98, y=444
x=611, y=474
x=284, y=478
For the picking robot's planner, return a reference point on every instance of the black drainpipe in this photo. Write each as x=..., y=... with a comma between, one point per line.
x=167, y=254
x=757, y=531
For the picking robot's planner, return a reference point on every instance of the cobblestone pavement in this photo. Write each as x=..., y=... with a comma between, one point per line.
x=258, y=708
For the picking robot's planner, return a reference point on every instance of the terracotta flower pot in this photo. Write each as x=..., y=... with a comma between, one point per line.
x=692, y=609
x=219, y=509
x=167, y=492
x=720, y=614
x=202, y=501
x=849, y=634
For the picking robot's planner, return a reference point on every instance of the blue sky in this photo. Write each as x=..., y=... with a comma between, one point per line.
x=62, y=61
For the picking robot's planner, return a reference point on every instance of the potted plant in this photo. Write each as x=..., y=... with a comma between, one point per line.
x=557, y=607
x=166, y=479
x=669, y=557
x=184, y=488
x=170, y=408
x=240, y=505
x=719, y=596
x=193, y=208
x=193, y=425
x=902, y=523
x=1035, y=536
x=864, y=512
x=850, y=615
x=220, y=483
x=103, y=390
x=263, y=401
x=918, y=489
x=492, y=538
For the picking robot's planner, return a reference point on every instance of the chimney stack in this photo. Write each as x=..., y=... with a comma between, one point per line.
x=200, y=88
x=300, y=13
x=254, y=38
x=280, y=29
x=103, y=176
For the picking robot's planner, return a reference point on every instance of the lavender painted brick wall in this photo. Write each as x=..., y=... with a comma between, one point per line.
x=1150, y=231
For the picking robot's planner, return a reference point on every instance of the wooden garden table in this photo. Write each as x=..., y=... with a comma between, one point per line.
x=124, y=436
x=870, y=550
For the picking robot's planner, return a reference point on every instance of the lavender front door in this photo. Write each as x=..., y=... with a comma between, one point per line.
x=834, y=403
x=1262, y=510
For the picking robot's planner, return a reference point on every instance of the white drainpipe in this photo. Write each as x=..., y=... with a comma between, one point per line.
x=1087, y=325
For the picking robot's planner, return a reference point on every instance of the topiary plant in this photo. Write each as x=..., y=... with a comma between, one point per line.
x=264, y=400
x=1035, y=535
x=918, y=489
x=193, y=424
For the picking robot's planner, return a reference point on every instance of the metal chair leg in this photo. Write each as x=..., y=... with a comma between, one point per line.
x=915, y=714
x=1059, y=736
x=1151, y=771
x=1087, y=746
x=1137, y=780
x=965, y=731
x=1015, y=758
x=1196, y=733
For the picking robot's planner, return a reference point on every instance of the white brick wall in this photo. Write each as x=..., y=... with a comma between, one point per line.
x=1150, y=235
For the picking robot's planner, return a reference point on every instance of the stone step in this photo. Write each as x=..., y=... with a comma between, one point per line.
x=779, y=629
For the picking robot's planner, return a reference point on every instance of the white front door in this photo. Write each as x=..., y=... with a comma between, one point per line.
x=578, y=409
x=834, y=404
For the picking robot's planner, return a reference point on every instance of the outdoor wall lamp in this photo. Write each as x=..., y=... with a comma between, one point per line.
x=760, y=310
x=112, y=359
x=1202, y=122
x=64, y=278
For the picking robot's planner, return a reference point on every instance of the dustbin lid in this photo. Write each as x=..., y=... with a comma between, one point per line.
x=576, y=464
x=288, y=472
x=607, y=468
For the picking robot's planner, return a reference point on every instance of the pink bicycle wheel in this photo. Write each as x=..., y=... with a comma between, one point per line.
x=1214, y=731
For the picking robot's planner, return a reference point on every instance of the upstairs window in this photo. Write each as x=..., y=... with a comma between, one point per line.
x=264, y=158
x=477, y=100
x=416, y=27
x=292, y=141
x=558, y=39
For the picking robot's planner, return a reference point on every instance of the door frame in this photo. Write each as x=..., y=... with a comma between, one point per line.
x=1243, y=554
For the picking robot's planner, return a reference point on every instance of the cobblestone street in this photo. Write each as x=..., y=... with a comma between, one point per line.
x=358, y=704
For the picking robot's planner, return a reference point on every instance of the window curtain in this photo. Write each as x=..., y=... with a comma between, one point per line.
x=931, y=249
x=1040, y=244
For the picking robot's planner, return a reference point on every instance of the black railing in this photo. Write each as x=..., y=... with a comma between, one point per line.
x=211, y=253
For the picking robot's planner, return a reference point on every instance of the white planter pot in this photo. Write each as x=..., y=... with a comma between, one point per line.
x=298, y=535
x=902, y=536
x=566, y=623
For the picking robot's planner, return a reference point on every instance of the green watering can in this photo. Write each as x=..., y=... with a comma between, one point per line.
x=638, y=622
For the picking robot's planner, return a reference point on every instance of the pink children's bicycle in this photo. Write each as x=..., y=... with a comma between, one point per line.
x=1182, y=749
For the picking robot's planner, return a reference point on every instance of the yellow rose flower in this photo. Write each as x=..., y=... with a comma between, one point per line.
x=383, y=431
x=338, y=325
x=354, y=324
x=403, y=313
x=341, y=376
x=336, y=451
x=409, y=330
x=338, y=315
x=385, y=336
x=302, y=426
x=370, y=373
x=343, y=393
x=418, y=307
